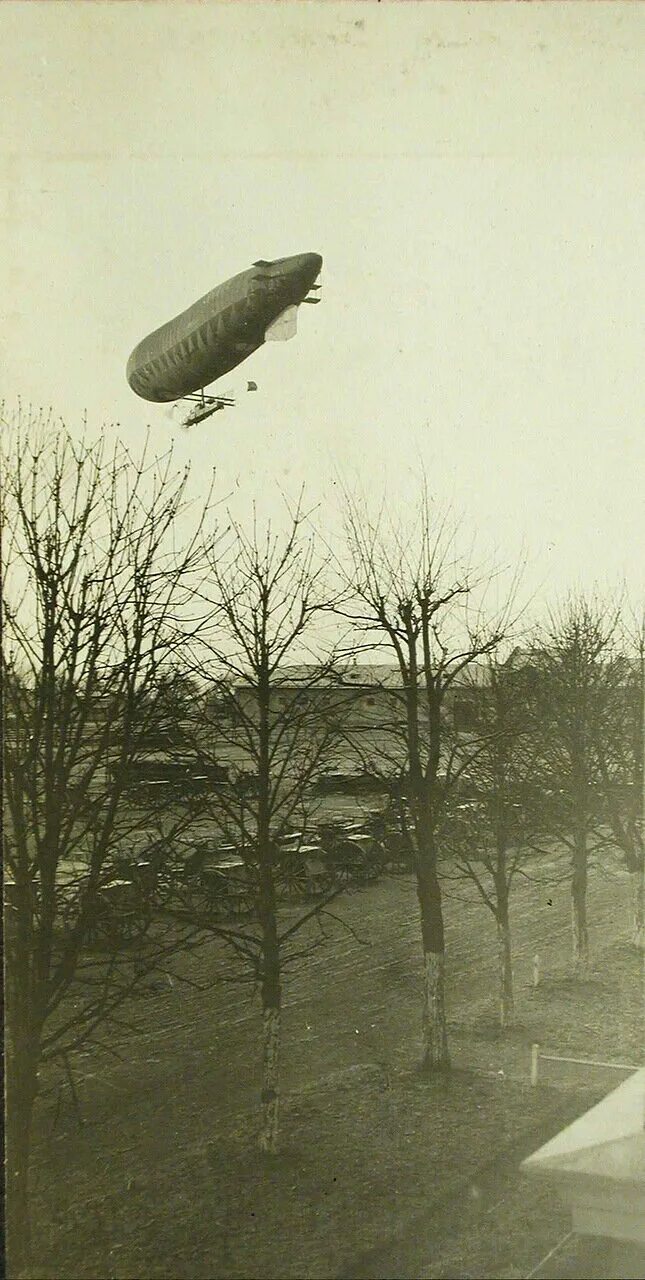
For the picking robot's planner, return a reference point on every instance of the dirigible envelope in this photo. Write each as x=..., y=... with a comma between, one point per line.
x=222, y=329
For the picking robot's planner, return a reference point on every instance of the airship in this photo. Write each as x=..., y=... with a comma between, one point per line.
x=220, y=330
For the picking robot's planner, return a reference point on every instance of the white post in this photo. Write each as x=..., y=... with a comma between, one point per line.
x=536, y=971
x=535, y=1054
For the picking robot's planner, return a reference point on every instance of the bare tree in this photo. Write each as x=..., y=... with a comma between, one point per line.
x=269, y=601
x=618, y=744
x=573, y=657
x=93, y=596
x=490, y=825
x=414, y=598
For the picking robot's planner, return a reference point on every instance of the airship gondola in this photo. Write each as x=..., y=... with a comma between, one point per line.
x=219, y=331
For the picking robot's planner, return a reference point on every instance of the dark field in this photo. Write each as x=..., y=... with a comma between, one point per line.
x=383, y=1173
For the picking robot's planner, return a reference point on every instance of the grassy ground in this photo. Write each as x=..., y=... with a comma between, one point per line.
x=383, y=1173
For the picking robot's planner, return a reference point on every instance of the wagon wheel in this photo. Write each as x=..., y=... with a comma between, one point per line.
x=93, y=929
x=214, y=897
x=236, y=903
x=352, y=863
x=294, y=878
x=372, y=866
x=363, y=872
x=101, y=926
x=343, y=869
x=314, y=887
x=398, y=866
x=331, y=879
x=186, y=899
x=380, y=856
x=122, y=926
x=398, y=855
x=171, y=890
x=368, y=862
x=248, y=903
x=130, y=925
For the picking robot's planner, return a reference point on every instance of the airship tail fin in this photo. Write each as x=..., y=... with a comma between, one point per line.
x=262, y=262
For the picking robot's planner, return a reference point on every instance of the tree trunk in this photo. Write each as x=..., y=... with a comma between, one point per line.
x=638, y=908
x=435, y=1035
x=268, y=1140
x=271, y=1004
x=22, y=1090
x=23, y=999
x=506, y=1002
x=579, y=909
x=271, y=995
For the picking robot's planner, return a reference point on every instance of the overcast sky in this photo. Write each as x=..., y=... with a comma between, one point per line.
x=472, y=176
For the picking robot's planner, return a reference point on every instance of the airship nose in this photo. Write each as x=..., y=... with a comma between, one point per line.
x=288, y=280
x=313, y=260
x=306, y=266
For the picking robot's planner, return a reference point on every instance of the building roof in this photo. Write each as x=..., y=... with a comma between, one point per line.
x=608, y=1140
x=363, y=675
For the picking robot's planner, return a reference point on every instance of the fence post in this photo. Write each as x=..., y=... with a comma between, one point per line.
x=536, y=971
x=535, y=1055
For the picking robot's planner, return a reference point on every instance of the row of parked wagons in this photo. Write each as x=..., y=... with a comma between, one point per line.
x=306, y=868
x=206, y=878
x=218, y=878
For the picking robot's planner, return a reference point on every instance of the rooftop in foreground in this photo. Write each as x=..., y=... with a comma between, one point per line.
x=597, y=1165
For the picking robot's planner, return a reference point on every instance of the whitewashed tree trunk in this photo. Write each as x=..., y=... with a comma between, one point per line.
x=579, y=935
x=638, y=909
x=506, y=1002
x=435, y=1036
x=268, y=1139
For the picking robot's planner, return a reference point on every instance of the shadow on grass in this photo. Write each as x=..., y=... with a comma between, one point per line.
x=489, y=1031
x=569, y=984
x=465, y=1199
